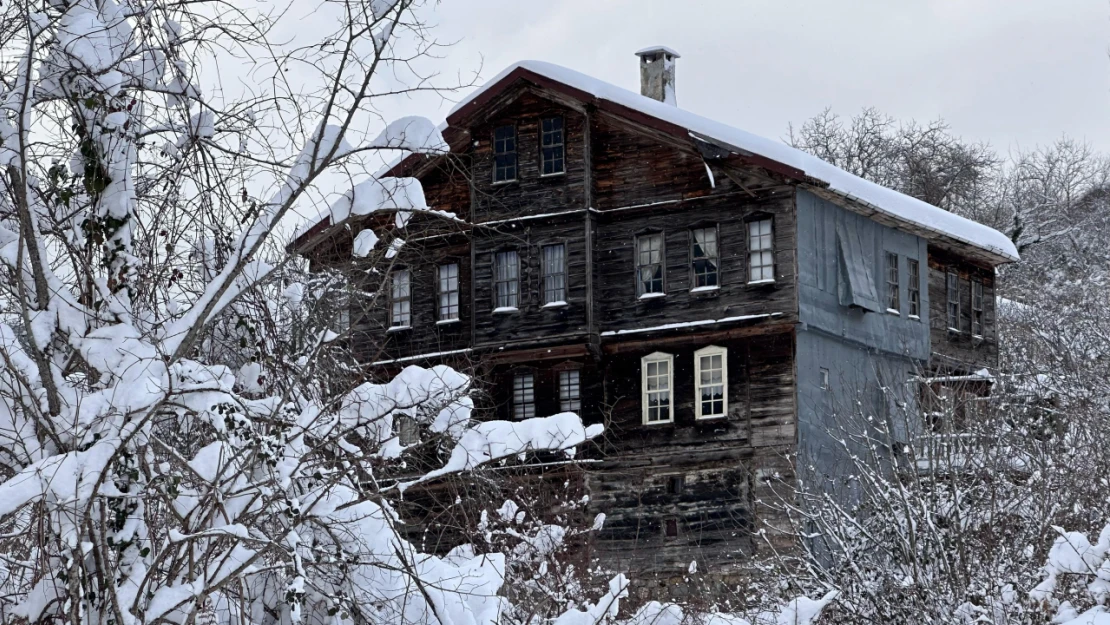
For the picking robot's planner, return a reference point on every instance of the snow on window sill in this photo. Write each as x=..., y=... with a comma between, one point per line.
x=554, y=175
x=712, y=417
x=705, y=289
x=398, y=328
x=894, y=311
x=447, y=322
x=953, y=330
x=759, y=282
x=914, y=317
x=652, y=295
x=558, y=304
x=501, y=182
x=504, y=310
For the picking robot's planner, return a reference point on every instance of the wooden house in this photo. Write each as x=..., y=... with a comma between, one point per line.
x=718, y=300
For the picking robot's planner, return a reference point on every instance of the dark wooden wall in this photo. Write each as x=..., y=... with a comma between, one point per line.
x=960, y=352
x=724, y=463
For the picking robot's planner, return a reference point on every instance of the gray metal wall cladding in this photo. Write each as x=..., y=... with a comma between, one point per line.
x=870, y=357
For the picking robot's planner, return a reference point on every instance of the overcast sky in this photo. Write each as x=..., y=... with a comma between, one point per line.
x=1012, y=72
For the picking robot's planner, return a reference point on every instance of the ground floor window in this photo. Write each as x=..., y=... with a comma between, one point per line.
x=711, y=381
x=524, y=396
x=658, y=380
x=570, y=391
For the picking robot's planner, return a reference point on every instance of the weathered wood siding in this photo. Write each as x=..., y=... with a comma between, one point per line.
x=530, y=193
x=726, y=464
x=960, y=352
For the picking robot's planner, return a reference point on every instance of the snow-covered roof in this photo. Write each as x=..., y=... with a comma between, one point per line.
x=875, y=197
x=653, y=49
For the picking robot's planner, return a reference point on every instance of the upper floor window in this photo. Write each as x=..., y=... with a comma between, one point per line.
x=524, y=397
x=649, y=264
x=761, y=251
x=570, y=389
x=506, y=280
x=447, y=286
x=703, y=257
x=977, y=308
x=711, y=381
x=504, y=154
x=913, y=289
x=400, y=299
x=658, y=380
x=551, y=146
x=555, y=274
x=893, y=300
x=952, y=288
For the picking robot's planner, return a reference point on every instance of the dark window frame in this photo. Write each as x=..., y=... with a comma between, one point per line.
x=523, y=395
x=554, y=152
x=569, y=402
x=913, y=287
x=662, y=264
x=893, y=284
x=503, y=150
x=952, y=301
x=513, y=292
x=441, y=293
x=557, y=279
x=977, y=308
x=405, y=300
x=748, y=222
x=713, y=260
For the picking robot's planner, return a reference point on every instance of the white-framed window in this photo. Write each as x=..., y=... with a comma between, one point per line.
x=506, y=279
x=704, y=258
x=976, y=308
x=570, y=391
x=657, y=371
x=893, y=296
x=649, y=264
x=524, y=396
x=400, y=299
x=761, y=250
x=551, y=146
x=952, y=288
x=554, y=273
x=504, y=154
x=447, y=287
x=711, y=382
x=913, y=289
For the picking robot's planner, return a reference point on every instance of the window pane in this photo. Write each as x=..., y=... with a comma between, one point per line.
x=504, y=154
x=551, y=146
x=703, y=255
x=569, y=389
x=914, y=288
x=657, y=394
x=892, y=289
x=711, y=385
x=953, y=290
x=447, y=279
x=761, y=263
x=649, y=264
x=507, y=279
x=554, y=273
x=400, y=292
x=524, y=401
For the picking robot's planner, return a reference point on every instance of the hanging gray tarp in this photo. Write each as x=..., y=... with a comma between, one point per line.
x=857, y=286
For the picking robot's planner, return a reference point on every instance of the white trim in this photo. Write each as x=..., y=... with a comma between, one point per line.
x=711, y=350
x=657, y=357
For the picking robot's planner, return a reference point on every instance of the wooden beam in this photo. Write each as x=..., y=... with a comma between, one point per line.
x=698, y=338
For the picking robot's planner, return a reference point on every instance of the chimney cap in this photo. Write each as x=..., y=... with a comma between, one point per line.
x=655, y=50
